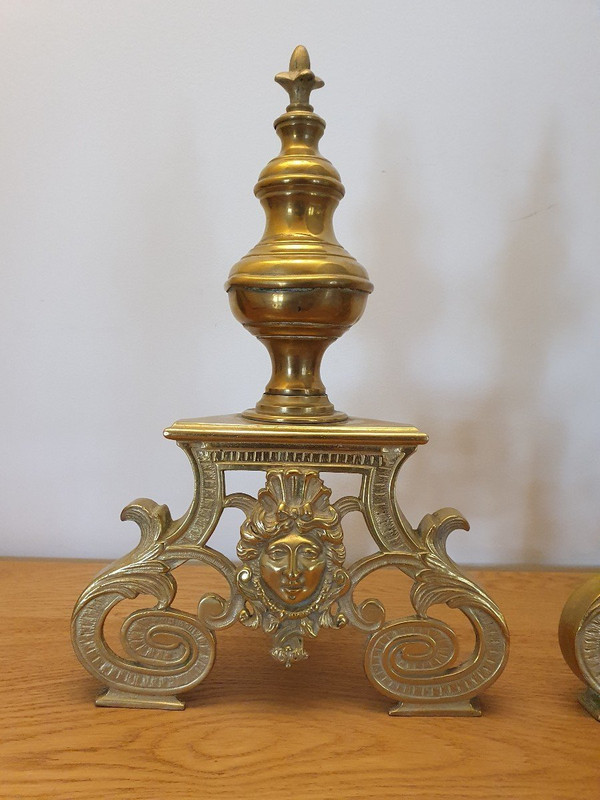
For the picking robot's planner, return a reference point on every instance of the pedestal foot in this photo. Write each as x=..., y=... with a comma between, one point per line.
x=113, y=698
x=464, y=708
x=590, y=700
x=417, y=660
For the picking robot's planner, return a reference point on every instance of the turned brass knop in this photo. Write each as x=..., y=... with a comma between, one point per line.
x=298, y=290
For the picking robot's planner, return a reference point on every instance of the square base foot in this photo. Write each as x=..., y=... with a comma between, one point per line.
x=113, y=698
x=590, y=700
x=461, y=708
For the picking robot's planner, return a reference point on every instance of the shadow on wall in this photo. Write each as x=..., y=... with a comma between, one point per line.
x=529, y=315
x=494, y=450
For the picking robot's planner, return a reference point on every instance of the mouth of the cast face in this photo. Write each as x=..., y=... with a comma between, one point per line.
x=292, y=589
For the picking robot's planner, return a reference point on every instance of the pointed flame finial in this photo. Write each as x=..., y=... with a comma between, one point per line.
x=300, y=81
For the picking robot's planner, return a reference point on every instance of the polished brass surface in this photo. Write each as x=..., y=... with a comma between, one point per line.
x=579, y=638
x=298, y=290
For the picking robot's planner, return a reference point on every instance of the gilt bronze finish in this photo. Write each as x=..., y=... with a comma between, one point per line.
x=298, y=290
x=579, y=637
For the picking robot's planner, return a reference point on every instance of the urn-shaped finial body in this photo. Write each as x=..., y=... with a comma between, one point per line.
x=298, y=290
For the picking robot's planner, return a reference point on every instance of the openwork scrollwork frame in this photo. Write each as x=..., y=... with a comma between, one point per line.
x=293, y=580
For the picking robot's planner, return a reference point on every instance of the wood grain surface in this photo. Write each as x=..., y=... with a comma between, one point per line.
x=256, y=730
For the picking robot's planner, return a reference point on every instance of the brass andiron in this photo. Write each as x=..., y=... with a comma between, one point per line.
x=579, y=637
x=298, y=290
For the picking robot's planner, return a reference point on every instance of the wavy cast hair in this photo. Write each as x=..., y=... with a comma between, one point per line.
x=292, y=498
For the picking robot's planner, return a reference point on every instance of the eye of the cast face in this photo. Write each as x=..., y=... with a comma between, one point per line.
x=309, y=552
x=277, y=553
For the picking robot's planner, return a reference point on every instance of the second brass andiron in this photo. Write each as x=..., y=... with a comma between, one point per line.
x=298, y=290
x=579, y=637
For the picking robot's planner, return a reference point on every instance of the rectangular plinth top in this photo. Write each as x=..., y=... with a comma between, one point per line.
x=234, y=428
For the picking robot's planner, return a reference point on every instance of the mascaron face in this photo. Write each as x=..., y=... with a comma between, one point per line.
x=292, y=566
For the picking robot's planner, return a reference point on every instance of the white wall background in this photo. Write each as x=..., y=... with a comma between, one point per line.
x=468, y=136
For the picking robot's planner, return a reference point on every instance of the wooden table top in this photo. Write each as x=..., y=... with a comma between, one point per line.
x=256, y=730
